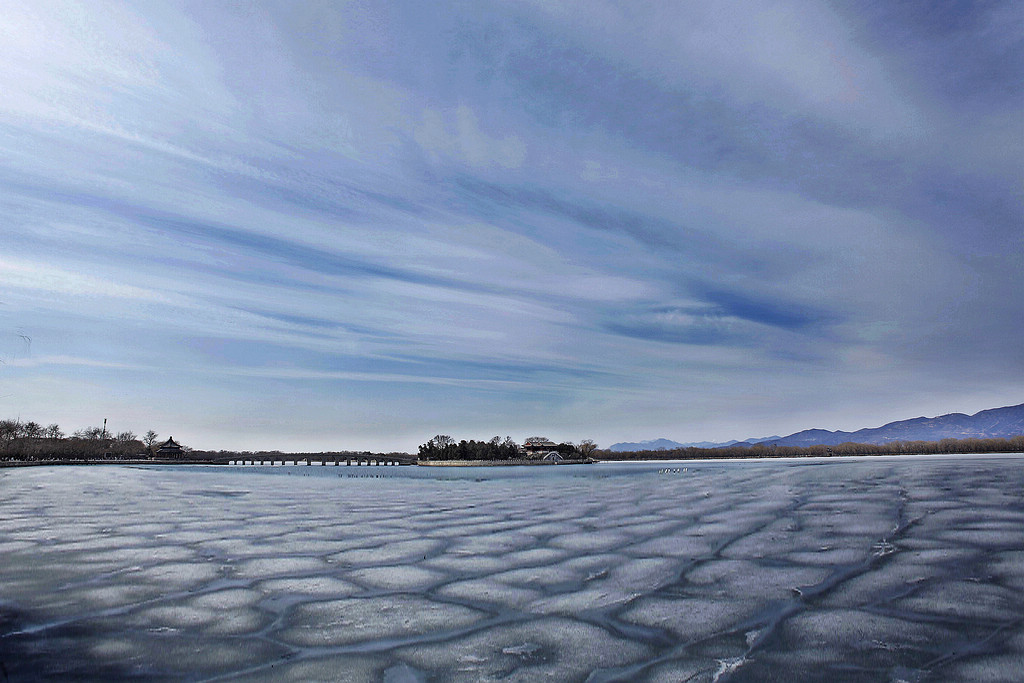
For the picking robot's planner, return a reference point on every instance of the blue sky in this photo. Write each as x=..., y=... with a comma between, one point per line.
x=306, y=225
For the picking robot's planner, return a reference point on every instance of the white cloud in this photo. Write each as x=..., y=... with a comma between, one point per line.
x=457, y=136
x=73, y=361
x=794, y=55
x=46, y=277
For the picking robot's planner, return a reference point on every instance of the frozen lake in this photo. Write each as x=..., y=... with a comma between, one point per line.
x=855, y=569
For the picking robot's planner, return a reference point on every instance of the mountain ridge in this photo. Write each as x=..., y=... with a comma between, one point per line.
x=992, y=423
x=668, y=445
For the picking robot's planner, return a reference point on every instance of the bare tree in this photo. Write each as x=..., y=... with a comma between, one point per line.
x=32, y=430
x=90, y=433
x=54, y=432
x=440, y=447
x=586, y=447
x=443, y=441
x=126, y=436
x=150, y=438
x=9, y=430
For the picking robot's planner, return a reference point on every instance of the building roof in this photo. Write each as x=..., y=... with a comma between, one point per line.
x=170, y=444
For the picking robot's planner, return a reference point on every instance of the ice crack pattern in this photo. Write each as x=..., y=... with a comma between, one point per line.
x=875, y=569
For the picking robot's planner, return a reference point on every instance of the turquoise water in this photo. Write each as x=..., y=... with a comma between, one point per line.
x=850, y=569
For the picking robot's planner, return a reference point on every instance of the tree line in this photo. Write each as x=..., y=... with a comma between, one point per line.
x=24, y=441
x=444, y=447
x=763, y=450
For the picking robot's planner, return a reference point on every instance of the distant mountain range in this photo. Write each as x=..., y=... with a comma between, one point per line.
x=659, y=445
x=668, y=444
x=996, y=423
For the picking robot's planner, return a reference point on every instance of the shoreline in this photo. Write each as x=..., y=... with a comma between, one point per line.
x=520, y=463
x=61, y=463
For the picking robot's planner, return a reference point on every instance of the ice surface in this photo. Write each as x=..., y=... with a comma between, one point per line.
x=1011, y=538
x=887, y=583
x=201, y=653
x=183, y=537
x=492, y=544
x=537, y=577
x=987, y=669
x=279, y=566
x=347, y=668
x=309, y=545
x=880, y=639
x=682, y=545
x=142, y=555
x=689, y=619
x=589, y=564
x=180, y=575
x=872, y=569
x=388, y=553
x=399, y=577
x=780, y=537
x=643, y=575
x=227, y=599
x=691, y=669
x=594, y=541
x=234, y=548
x=174, y=617
x=967, y=600
x=469, y=563
x=310, y=585
x=829, y=555
x=552, y=649
x=750, y=580
x=489, y=591
x=611, y=586
x=118, y=595
x=1009, y=568
x=551, y=529
x=354, y=620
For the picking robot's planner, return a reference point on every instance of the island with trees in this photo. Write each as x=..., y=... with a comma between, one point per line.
x=443, y=450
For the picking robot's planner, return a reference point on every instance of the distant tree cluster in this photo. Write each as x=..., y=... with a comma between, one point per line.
x=30, y=441
x=444, y=447
x=764, y=450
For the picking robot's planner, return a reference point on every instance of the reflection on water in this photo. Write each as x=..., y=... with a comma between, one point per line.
x=859, y=569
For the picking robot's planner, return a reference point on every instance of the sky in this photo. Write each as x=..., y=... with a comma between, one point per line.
x=305, y=225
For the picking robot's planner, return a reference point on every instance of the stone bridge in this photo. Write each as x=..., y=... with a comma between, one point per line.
x=324, y=460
